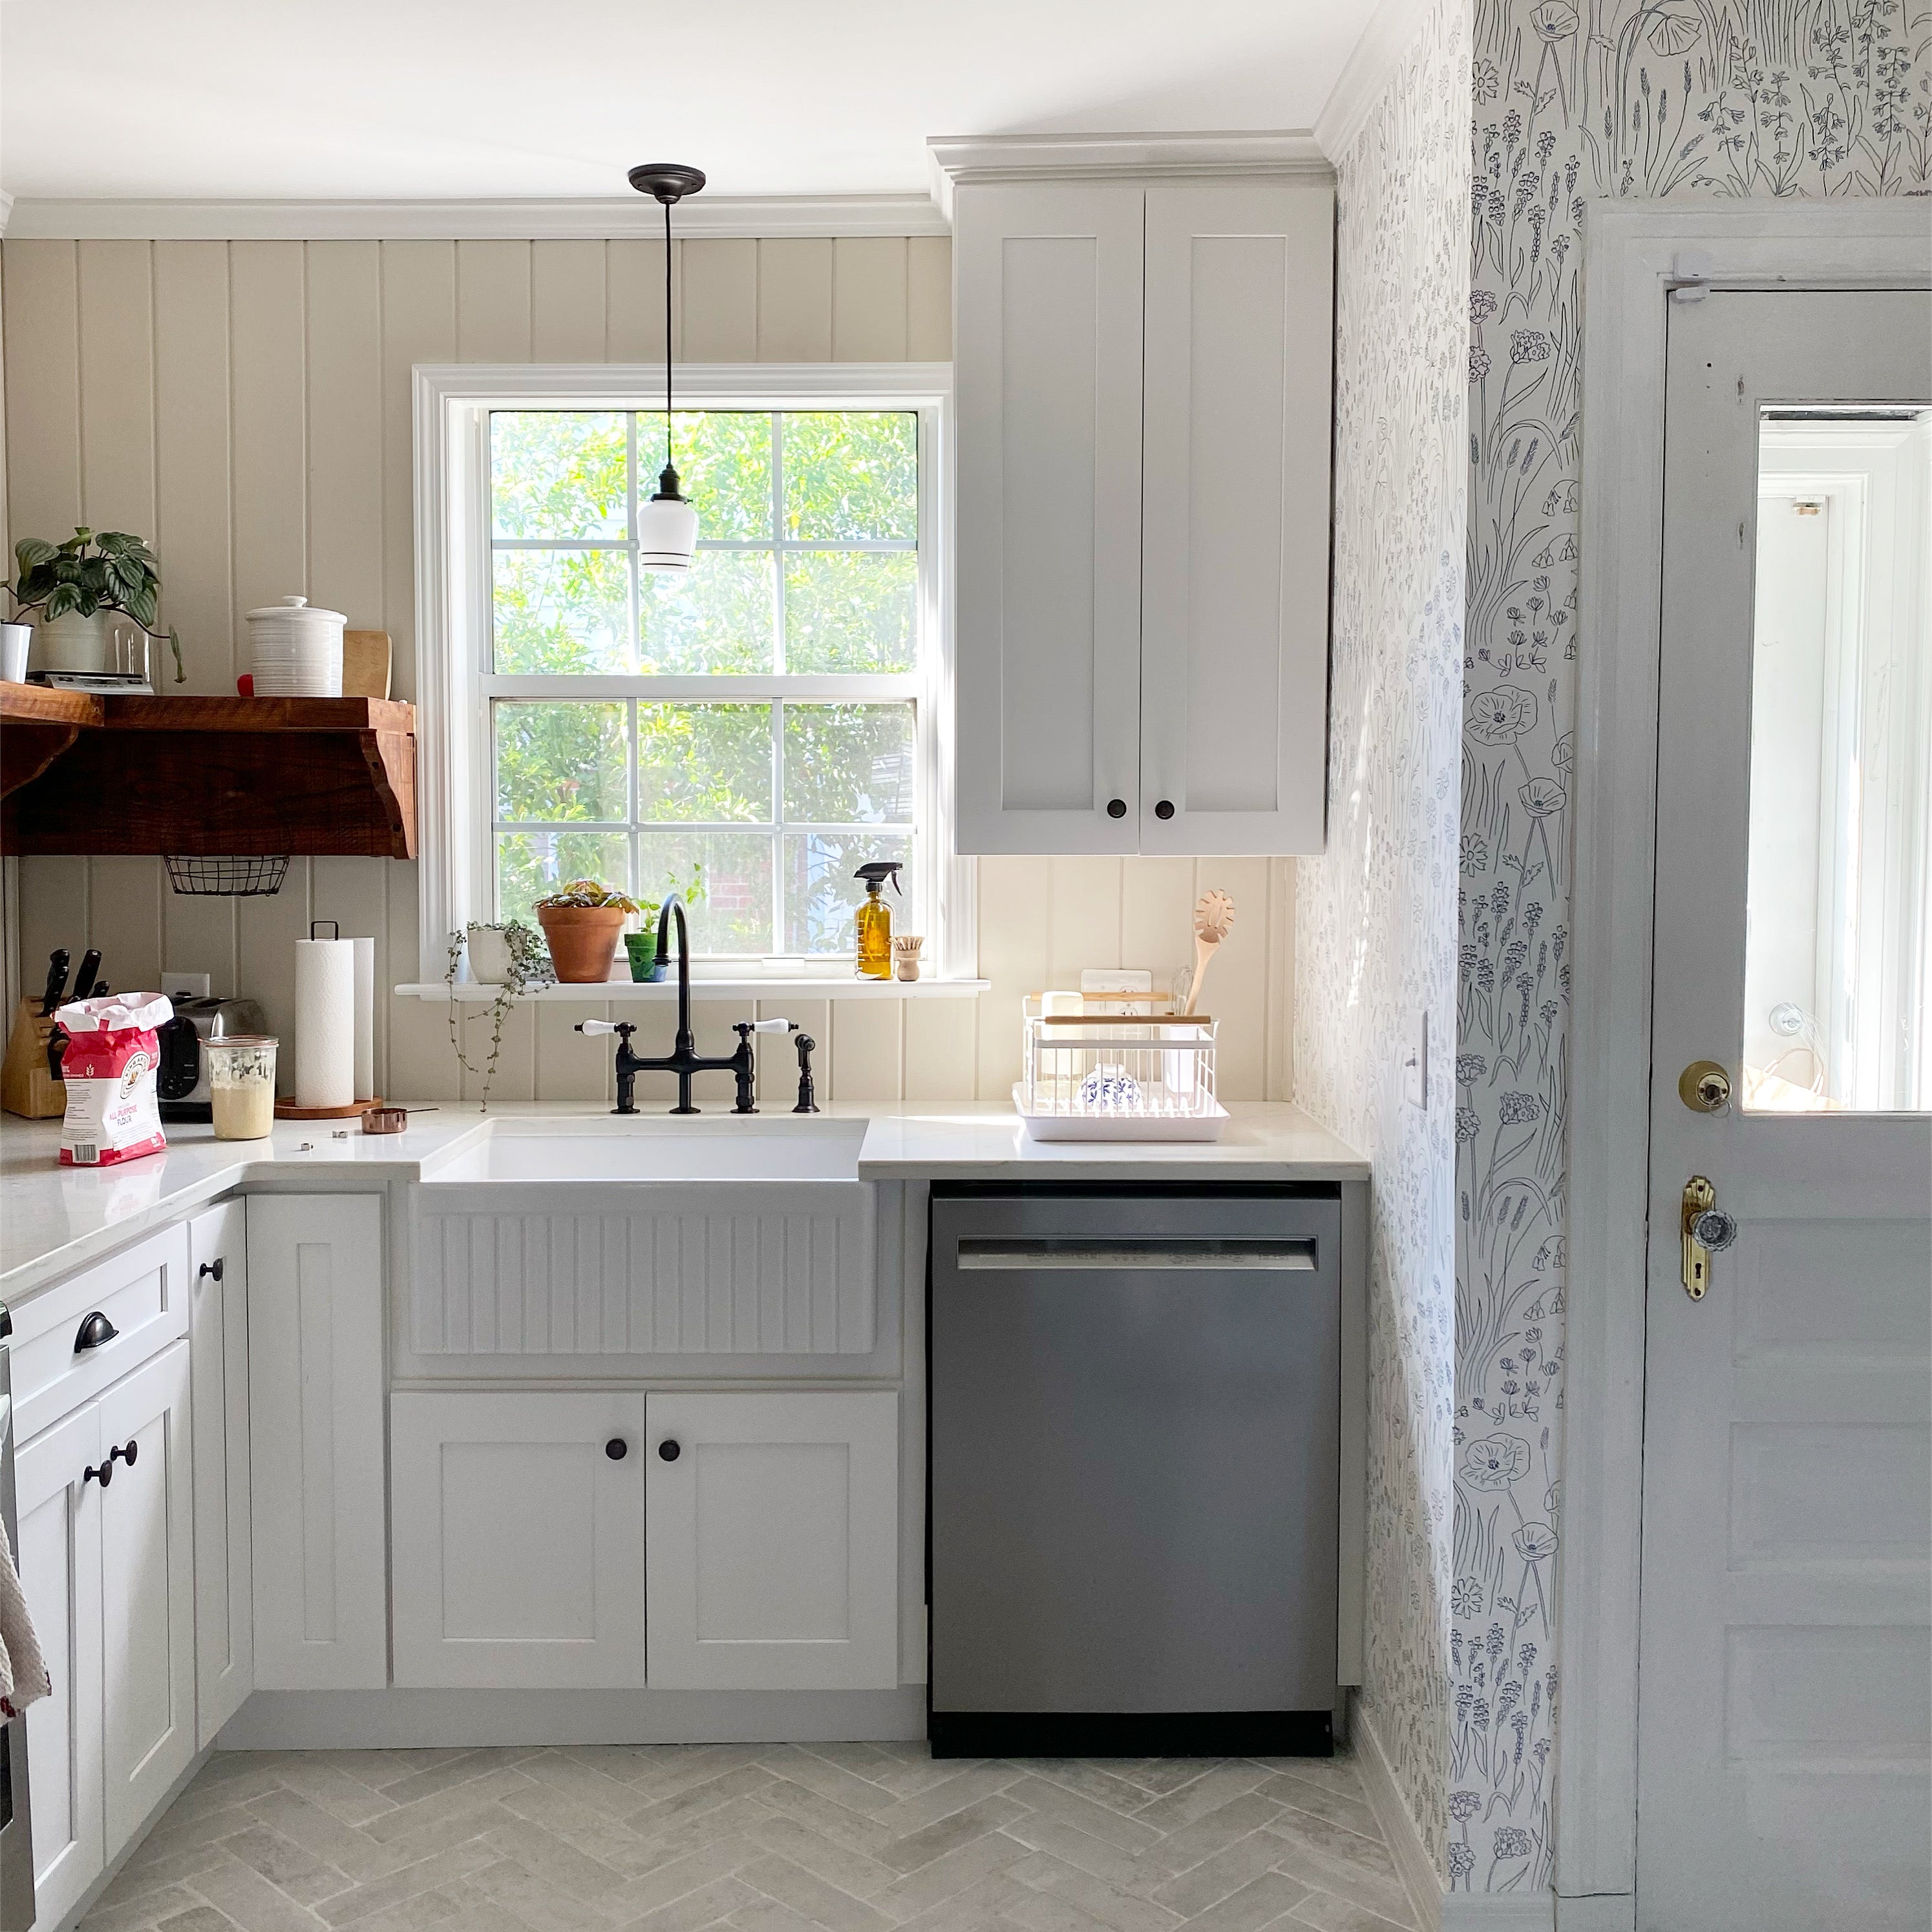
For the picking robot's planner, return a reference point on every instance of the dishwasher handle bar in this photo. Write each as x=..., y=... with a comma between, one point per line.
x=1038, y=1254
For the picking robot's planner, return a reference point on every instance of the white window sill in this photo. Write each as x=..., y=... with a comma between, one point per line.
x=740, y=986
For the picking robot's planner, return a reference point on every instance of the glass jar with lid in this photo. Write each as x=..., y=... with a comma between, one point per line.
x=241, y=1085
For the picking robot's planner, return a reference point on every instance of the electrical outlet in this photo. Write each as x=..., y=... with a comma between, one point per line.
x=1415, y=1061
x=188, y=985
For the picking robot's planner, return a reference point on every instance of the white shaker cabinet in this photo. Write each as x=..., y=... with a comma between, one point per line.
x=224, y=1565
x=773, y=1546
x=1142, y=371
x=147, y=1590
x=59, y=1559
x=519, y=1539
x=315, y=1394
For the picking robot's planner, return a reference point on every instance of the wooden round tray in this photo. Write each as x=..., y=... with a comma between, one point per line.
x=287, y=1110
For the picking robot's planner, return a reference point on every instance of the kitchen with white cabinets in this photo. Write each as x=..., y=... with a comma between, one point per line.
x=917, y=1157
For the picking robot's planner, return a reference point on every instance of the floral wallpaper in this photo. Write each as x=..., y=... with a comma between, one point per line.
x=1375, y=917
x=1642, y=98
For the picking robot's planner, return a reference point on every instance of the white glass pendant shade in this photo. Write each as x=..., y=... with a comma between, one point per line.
x=666, y=528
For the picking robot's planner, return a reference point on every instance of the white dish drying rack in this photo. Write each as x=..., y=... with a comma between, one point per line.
x=1094, y=1075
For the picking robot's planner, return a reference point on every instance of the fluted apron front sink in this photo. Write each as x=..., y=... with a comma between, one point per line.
x=647, y=1238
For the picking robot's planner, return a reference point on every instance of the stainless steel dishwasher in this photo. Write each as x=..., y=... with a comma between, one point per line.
x=1134, y=1462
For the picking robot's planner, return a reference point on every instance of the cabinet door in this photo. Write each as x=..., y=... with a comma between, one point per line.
x=315, y=1432
x=60, y=1569
x=1233, y=569
x=147, y=1590
x=773, y=1557
x=1047, y=389
x=223, y=1573
x=519, y=1540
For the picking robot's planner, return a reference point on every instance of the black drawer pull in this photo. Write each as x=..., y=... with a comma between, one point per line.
x=96, y=1332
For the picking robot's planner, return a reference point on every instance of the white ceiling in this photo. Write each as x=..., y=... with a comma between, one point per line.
x=254, y=99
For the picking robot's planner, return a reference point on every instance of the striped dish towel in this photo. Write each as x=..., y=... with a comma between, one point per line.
x=23, y=1671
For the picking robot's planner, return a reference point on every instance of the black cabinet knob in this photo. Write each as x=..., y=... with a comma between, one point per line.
x=1165, y=809
x=1117, y=808
x=129, y=1452
x=669, y=1449
x=212, y=1269
x=616, y=1448
x=104, y=1475
x=96, y=1332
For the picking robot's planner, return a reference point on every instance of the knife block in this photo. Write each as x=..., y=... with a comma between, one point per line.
x=26, y=1086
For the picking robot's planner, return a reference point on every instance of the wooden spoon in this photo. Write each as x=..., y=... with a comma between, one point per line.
x=1213, y=918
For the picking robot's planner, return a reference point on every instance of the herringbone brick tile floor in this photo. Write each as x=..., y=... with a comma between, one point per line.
x=853, y=1837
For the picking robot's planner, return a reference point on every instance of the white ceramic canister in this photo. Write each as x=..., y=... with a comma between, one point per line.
x=297, y=650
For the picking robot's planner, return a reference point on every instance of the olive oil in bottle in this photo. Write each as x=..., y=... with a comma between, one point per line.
x=875, y=920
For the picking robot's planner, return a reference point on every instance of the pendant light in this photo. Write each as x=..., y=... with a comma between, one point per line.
x=667, y=525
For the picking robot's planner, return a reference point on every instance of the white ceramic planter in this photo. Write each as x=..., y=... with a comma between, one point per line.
x=73, y=643
x=489, y=956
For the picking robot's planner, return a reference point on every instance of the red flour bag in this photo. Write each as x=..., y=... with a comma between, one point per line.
x=109, y=1066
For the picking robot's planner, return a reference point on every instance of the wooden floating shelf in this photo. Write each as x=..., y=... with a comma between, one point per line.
x=248, y=776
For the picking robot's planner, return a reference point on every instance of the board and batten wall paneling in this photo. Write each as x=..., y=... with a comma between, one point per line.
x=248, y=405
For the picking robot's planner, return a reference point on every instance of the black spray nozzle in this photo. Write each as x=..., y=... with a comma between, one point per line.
x=876, y=871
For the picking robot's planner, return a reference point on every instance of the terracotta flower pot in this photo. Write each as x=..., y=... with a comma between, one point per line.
x=583, y=940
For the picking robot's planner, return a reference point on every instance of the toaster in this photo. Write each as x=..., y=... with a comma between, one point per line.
x=181, y=1086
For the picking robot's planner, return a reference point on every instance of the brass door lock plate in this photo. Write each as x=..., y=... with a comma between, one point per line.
x=1704, y=1087
x=1705, y=1230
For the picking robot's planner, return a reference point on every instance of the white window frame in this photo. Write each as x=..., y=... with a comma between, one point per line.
x=455, y=678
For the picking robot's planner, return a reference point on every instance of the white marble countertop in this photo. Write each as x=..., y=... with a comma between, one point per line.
x=54, y=1220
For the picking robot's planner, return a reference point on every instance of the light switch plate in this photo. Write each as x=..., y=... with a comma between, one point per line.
x=1415, y=1061
x=189, y=985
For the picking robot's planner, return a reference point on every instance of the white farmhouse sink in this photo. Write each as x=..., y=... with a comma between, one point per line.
x=826, y=1151
x=543, y=1241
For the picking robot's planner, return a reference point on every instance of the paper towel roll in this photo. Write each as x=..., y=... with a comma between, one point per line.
x=365, y=1018
x=325, y=1022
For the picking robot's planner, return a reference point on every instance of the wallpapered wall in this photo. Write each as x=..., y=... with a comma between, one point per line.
x=1375, y=918
x=1642, y=98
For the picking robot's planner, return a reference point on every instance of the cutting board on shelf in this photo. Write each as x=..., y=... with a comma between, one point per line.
x=365, y=663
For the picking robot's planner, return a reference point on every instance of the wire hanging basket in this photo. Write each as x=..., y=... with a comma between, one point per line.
x=240, y=876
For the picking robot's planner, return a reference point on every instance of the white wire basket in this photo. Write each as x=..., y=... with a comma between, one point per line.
x=1097, y=1076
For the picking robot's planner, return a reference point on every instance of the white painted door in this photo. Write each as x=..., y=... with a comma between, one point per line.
x=773, y=1522
x=316, y=1391
x=147, y=1590
x=224, y=1568
x=1046, y=366
x=519, y=1524
x=1785, y=1716
x=59, y=1559
x=1239, y=317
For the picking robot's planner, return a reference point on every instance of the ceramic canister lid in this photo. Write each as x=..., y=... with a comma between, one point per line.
x=299, y=608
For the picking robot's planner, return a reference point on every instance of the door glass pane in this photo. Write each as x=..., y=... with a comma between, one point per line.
x=1837, y=966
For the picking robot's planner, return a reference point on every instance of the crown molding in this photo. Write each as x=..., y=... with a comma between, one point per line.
x=1377, y=60
x=587, y=219
x=957, y=158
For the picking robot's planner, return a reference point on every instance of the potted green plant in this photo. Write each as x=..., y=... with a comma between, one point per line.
x=581, y=920
x=641, y=944
x=523, y=966
x=72, y=587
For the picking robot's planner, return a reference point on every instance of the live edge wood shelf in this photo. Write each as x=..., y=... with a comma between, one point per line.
x=245, y=775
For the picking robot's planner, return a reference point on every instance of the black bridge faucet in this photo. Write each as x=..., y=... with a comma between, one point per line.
x=684, y=1060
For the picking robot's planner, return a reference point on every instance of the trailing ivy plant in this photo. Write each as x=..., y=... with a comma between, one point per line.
x=90, y=573
x=528, y=967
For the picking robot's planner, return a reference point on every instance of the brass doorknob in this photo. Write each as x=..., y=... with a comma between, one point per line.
x=1704, y=1087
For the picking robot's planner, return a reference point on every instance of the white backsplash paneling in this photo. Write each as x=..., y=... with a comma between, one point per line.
x=248, y=404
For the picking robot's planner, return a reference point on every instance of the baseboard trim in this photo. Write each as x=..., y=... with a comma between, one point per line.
x=1498, y=1911
x=383, y=1720
x=1413, y=1864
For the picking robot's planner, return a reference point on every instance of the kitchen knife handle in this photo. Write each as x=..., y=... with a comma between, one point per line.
x=90, y=965
x=56, y=985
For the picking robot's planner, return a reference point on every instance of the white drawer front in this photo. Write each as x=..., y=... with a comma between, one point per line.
x=143, y=1292
x=668, y=1281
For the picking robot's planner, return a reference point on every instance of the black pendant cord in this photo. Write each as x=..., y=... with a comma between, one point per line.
x=667, y=354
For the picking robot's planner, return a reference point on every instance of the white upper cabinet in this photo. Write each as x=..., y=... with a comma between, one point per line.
x=1142, y=370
